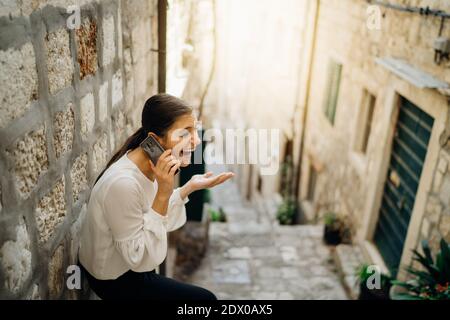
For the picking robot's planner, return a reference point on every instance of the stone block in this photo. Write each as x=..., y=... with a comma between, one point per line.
x=433, y=209
x=30, y=160
x=264, y=295
x=437, y=182
x=444, y=194
x=9, y=8
x=232, y=271
x=117, y=87
x=108, y=36
x=86, y=38
x=59, y=60
x=100, y=154
x=87, y=109
x=434, y=240
x=444, y=227
x=290, y=273
x=15, y=259
x=141, y=79
x=64, y=125
x=119, y=33
x=348, y=259
x=78, y=176
x=140, y=48
x=103, y=102
x=75, y=231
x=289, y=253
x=238, y=253
x=129, y=76
x=51, y=211
x=35, y=294
x=119, y=125
x=18, y=82
x=112, y=141
x=425, y=228
x=443, y=165
x=56, y=273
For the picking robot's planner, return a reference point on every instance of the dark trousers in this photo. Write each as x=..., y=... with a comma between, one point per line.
x=145, y=285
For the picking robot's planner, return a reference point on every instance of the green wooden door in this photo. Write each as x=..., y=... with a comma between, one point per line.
x=409, y=149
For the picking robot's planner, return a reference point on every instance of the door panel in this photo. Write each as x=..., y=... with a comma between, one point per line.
x=409, y=148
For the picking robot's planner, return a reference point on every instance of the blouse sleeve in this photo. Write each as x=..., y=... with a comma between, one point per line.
x=136, y=234
x=177, y=211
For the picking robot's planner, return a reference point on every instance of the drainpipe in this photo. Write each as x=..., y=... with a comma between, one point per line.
x=305, y=102
x=162, y=32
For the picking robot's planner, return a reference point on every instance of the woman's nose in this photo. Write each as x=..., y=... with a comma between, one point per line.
x=196, y=139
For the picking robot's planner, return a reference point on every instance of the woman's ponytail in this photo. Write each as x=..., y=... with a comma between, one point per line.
x=132, y=143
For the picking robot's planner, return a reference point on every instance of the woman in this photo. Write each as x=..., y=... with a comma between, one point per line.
x=133, y=205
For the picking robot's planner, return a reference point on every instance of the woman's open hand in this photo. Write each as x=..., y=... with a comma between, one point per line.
x=207, y=180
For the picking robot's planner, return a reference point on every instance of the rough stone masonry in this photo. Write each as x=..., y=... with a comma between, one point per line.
x=69, y=98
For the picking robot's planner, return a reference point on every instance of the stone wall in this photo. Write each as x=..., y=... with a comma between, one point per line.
x=345, y=181
x=69, y=98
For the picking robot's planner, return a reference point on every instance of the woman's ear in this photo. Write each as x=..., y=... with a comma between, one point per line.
x=156, y=137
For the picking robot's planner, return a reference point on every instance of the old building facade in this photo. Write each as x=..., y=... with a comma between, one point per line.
x=376, y=142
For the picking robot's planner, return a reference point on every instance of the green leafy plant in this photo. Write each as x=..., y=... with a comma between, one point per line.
x=286, y=212
x=217, y=215
x=432, y=281
x=331, y=220
x=337, y=228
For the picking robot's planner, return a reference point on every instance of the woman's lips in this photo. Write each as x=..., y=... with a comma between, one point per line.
x=185, y=153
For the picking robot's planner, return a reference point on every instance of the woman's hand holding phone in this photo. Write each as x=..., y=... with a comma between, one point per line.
x=164, y=172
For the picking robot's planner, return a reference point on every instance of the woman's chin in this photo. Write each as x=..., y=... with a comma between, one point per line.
x=185, y=164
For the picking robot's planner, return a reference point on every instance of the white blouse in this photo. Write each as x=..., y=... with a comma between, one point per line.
x=121, y=231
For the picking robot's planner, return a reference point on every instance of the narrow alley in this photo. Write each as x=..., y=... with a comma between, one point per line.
x=252, y=257
x=326, y=125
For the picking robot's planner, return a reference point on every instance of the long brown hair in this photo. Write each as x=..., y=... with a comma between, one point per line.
x=159, y=113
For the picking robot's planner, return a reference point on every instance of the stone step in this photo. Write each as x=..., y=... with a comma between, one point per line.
x=348, y=258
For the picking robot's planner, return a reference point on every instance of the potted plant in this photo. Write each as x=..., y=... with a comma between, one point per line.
x=286, y=212
x=217, y=215
x=432, y=280
x=364, y=276
x=337, y=229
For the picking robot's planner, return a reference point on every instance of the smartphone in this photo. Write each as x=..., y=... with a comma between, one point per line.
x=153, y=149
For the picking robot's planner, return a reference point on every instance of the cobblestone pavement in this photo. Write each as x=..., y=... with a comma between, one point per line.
x=252, y=257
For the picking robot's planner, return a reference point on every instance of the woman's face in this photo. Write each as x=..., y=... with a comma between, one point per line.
x=182, y=138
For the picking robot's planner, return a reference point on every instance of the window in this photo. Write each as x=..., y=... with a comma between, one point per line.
x=312, y=183
x=365, y=122
x=332, y=90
